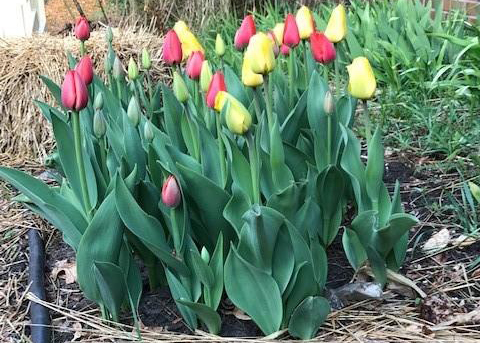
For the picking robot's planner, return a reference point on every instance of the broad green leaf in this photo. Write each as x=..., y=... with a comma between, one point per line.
x=236, y=208
x=179, y=292
x=377, y=263
x=281, y=175
x=235, y=86
x=387, y=236
x=111, y=284
x=282, y=264
x=173, y=112
x=319, y=262
x=241, y=173
x=308, y=316
x=207, y=315
x=364, y=225
x=375, y=165
x=354, y=250
x=53, y=88
x=210, y=155
x=134, y=151
x=213, y=295
x=287, y=200
x=201, y=269
x=315, y=99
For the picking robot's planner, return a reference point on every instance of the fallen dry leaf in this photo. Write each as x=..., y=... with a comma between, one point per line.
x=472, y=317
x=77, y=329
x=68, y=270
x=464, y=241
x=239, y=314
x=437, y=241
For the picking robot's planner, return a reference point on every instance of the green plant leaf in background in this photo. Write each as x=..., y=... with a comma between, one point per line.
x=308, y=316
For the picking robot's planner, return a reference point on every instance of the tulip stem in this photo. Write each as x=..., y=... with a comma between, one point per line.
x=368, y=130
x=268, y=101
x=253, y=167
x=305, y=61
x=80, y=163
x=329, y=139
x=103, y=158
x=337, y=79
x=290, y=77
x=221, y=152
x=149, y=85
x=82, y=48
x=256, y=103
x=119, y=90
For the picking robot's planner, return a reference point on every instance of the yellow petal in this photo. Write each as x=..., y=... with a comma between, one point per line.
x=337, y=25
x=249, y=78
x=304, y=21
x=361, y=83
x=188, y=39
x=260, y=49
x=278, y=32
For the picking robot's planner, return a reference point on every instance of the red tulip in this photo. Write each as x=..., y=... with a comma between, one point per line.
x=85, y=69
x=74, y=91
x=216, y=85
x=285, y=50
x=82, y=29
x=323, y=50
x=171, y=194
x=194, y=65
x=291, y=36
x=245, y=32
x=172, y=48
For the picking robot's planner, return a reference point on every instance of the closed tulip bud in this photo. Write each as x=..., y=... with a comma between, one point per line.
x=475, y=190
x=246, y=31
x=278, y=31
x=219, y=46
x=180, y=88
x=133, y=111
x=216, y=85
x=85, y=69
x=249, y=78
x=205, y=76
x=188, y=40
x=172, y=48
x=237, y=117
x=118, y=72
x=337, y=25
x=146, y=62
x=171, y=195
x=74, y=92
x=194, y=65
x=305, y=22
x=361, y=82
x=99, y=124
x=98, y=103
x=285, y=50
x=323, y=50
x=328, y=103
x=276, y=48
x=205, y=255
x=261, y=53
x=148, y=131
x=82, y=29
x=109, y=35
x=132, y=69
x=291, y=37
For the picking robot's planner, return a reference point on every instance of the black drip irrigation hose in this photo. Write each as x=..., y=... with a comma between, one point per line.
x=39, y=316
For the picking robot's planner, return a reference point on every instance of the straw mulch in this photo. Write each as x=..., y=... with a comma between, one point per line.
x=24, y=132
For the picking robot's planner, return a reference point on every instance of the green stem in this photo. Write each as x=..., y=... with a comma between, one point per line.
x=268, y=101
x=82, y=48
x=119, y=90
x=221, y=152
x=149, y=85
x=256, y=103
x=196, y=149
x=253, y=168
x=222, y=64
x=305, y=67
x=368, y=130
x=80, y=163
x=337, y=79
x=329, y=139
x=175, y=231
x=103, y=159
x=290, y=79
x=325, y=72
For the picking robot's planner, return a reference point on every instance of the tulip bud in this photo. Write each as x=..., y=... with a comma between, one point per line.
x=98, y=103
x=205, y=255
x=74, y=92
x=305, y=22
x=475, y=190
x=82, y=29
x=361, y=82
x=260, y=50
x=85, y=69
x=249, y=78
x=285, y=50
x=328, y=103
x=146, y=62
x=188, y=40
x=205, y=76
x=99, y=124
x=109, y=35
x=237, y=117
x=132, y=69
x=291, y=37
x=180, y=88
x=133, y=111
x=148, y=131
x=245, y=32
x=216, y=85
x=172, y=48
x=337, y=25
x=118, y=72
x=194, y=65
x=171, y=195
x=323, y=50
x=219, y=46
x=278, y=31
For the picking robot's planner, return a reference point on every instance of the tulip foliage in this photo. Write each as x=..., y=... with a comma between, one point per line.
x=221, y=183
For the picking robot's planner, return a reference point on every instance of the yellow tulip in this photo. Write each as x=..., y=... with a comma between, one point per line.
x=187, y=38
x=278, y=32
x=219, y=45
x=337, y=25
x=237, y=117
x=205, y=76
x=361, y=83
x=249, y=78
x=260, y=49
x=305, y=22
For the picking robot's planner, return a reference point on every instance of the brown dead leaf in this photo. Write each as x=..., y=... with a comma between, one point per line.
x=438, y=241
x=464, y=241
x=472, y=317
x=68, y=271
x=239, y=314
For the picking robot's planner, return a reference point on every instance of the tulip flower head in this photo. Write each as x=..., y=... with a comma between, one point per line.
x=194, y=65
x=361, y=82
x=205, y=76
x=237, y=117
x=216, y=85
x=133, y=111
x=148, y=131
x=187, y=39
x=171, y=195
x=98, y=103
x=99, y=125
x=249, y=78
x=323, y=50
x=337, y=25
x=328, y=103
x=118, y=72
x=291, y=36
x=305, y=22
x=146, y=61
x=172, y=48
x=260, y=50
x=180, y=88
x=82, y=29
x=219, y=45
x=276, y=47
x=74, y=91
x=132, y=69
x=85, y=69
x=285, y=50
x=246, y=31
x=278, y=31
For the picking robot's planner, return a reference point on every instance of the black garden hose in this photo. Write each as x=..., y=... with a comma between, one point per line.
x=39, y=316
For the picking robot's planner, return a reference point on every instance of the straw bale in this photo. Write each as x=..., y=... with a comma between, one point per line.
x=24, y=132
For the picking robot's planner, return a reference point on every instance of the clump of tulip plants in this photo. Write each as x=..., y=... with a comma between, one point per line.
x=224, y=183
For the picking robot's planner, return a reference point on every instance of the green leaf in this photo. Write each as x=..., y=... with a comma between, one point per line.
x=354, y=250
x=253, y=291
x=173, y=112
x=53, y=88
x=378, y=265
x=201, y=269
x=283, y=264
x=308, y=316
x=330, y=190
x=179, y=292
x=46, y=109
x=111, y=283
x=319, y=260
x=134, y=152
x=295, y=121
x=315, y=99
x=210, y=155
x=375, y=165
x=207, y=315
x=241, y=173
x=213, y=295
x=236, y=208
x=387, y=236
x=287, y=200
x=281, y=175
x=235, y=86
x=364, y=225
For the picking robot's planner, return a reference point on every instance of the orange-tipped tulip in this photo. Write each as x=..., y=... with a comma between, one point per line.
x=237, y=117
x=216, y=85
x=261, y=54
x=82, y=29
x=85, y=69
x=361, y=83
x=323, y=50
x=194, y=65
x=246, y=30
x=74, y=91
x=337, y=25
x=291, y=37
x=172, y=48
x=171, y=195
x=305, y=22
